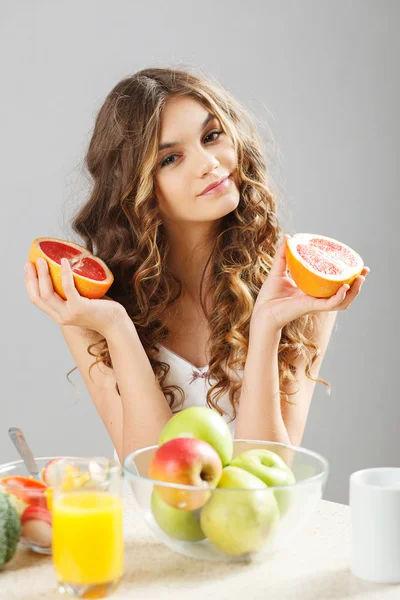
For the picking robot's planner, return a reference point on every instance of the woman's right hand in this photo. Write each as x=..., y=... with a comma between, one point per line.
x=100, y=315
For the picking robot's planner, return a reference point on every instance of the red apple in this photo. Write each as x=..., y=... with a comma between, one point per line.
x=36, y=526
x=186, y=461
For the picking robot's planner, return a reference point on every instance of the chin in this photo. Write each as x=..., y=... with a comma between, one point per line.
x=227, y=206
x=233, y=196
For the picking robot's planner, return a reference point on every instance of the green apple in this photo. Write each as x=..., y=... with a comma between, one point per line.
x=241, y=520
x=271, y=469
x=179, y=524
x=202, y=423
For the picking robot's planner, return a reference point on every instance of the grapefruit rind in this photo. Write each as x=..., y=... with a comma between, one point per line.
x=318, y=283
x=87, y=287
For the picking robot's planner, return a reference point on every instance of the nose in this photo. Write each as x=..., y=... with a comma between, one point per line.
x=205, y=162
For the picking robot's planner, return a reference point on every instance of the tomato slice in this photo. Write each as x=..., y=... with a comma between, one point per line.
x=27, y=489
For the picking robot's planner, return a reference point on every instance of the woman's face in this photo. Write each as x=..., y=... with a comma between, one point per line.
x=201, y=155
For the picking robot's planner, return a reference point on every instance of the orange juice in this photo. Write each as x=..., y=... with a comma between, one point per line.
x=88, y=542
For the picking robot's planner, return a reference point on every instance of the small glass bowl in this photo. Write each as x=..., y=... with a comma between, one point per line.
x=243, y=523
x=32, y=503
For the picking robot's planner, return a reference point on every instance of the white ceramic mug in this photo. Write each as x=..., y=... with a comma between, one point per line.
x=375, y=524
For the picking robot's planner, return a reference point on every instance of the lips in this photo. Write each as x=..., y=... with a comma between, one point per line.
x=214, y=185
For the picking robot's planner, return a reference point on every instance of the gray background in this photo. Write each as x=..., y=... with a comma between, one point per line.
x=322, y=78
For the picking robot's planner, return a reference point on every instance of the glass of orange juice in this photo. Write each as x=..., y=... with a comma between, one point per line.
x=88, y=544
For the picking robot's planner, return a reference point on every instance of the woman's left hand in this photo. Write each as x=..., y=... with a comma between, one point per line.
x=280, y=301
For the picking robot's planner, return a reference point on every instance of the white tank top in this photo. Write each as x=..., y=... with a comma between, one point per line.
x=192, y=380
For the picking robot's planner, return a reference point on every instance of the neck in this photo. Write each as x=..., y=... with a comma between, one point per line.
x=188, y=255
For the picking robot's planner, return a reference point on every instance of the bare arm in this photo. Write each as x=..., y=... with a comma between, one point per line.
x=102, y=389
x=261, y=415
x=295, y=415
x=145, y=409
x=135, y=418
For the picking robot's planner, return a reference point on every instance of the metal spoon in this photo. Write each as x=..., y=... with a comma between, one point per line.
x=19, y=441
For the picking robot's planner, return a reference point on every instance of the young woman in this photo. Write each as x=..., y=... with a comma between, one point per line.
x=202, y=310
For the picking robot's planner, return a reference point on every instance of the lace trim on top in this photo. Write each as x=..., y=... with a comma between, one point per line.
x=197, y=372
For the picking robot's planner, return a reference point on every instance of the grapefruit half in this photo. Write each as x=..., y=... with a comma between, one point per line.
x=91, y=275
x=320, y=265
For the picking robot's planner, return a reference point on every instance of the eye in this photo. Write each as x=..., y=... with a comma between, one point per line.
x=164, y=162
x=212, y=133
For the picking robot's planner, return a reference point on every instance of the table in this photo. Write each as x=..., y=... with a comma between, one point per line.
x=315, y=567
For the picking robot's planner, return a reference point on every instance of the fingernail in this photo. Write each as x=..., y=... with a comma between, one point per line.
x=26, y=268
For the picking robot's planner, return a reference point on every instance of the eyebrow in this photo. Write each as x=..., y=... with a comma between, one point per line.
x=209, y=117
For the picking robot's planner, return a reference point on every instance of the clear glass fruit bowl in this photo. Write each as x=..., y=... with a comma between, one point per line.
x=231, y=523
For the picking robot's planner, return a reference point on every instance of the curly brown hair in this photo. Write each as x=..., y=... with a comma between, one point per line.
x=121, y=223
